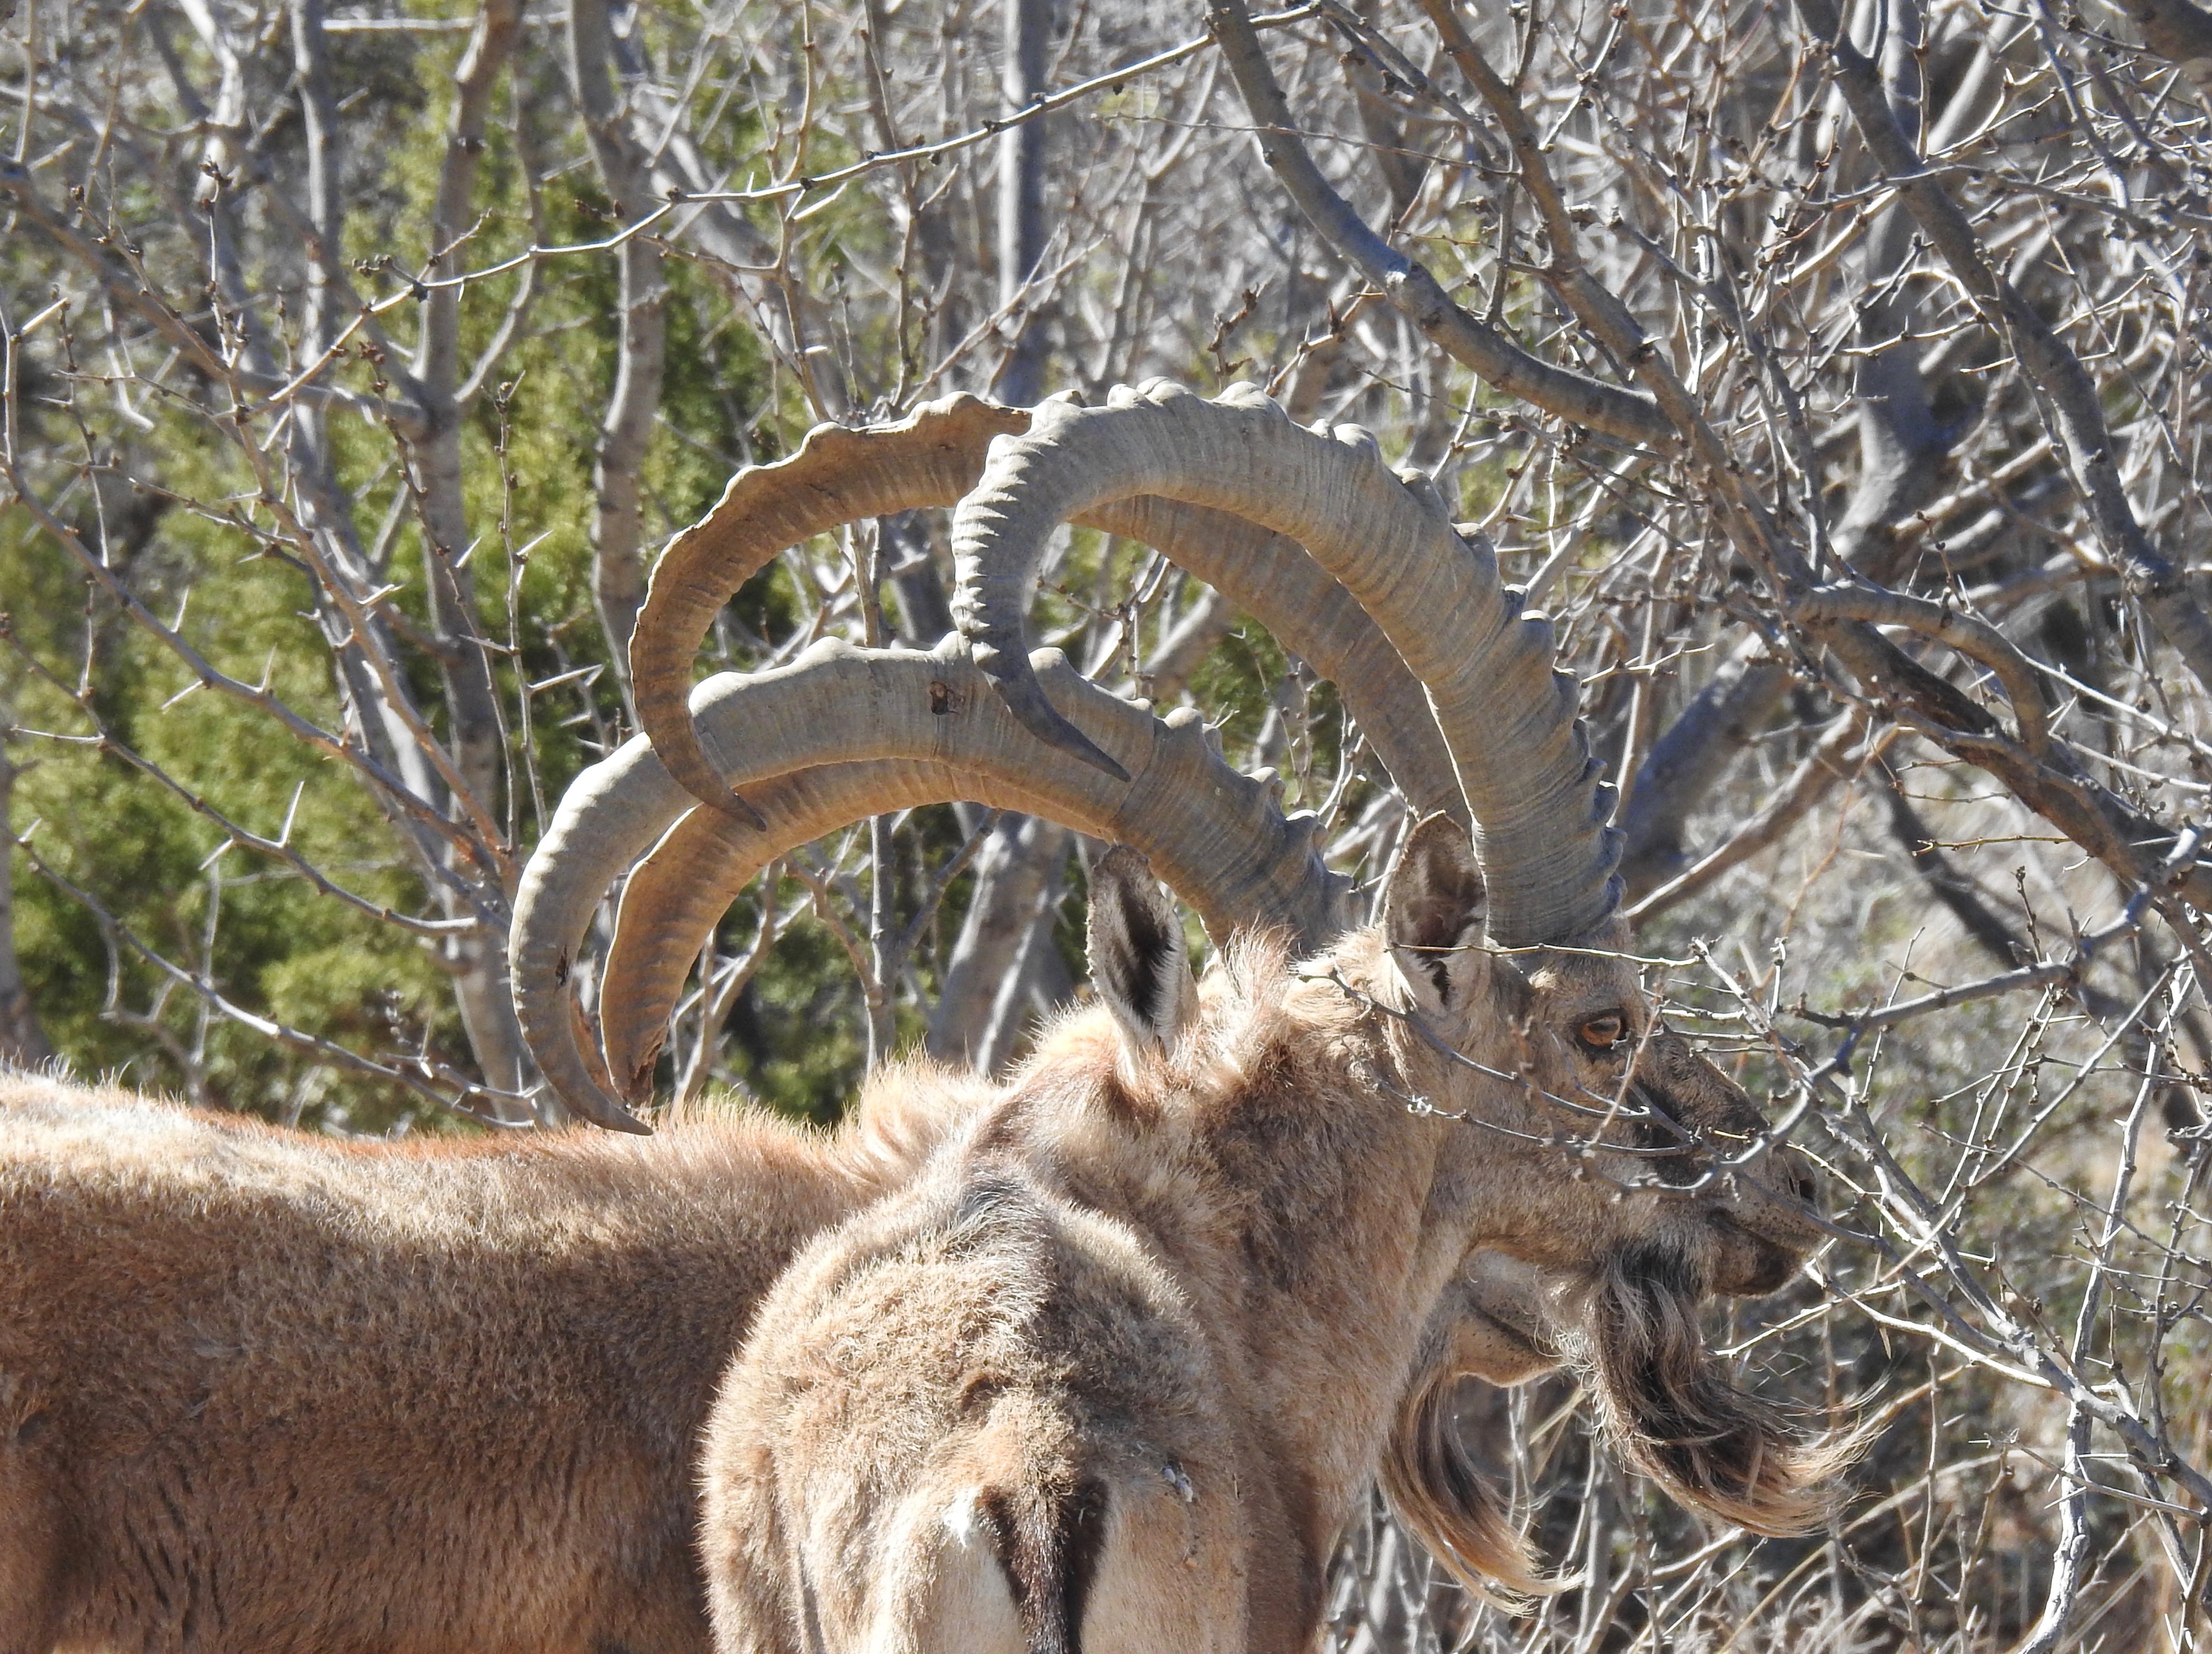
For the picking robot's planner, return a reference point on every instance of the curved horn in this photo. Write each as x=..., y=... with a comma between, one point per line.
x=676, y=897
x=1216, y=834
x=1507, y=716
x=1271, y=578
x=840, y=475
x=931, y=459
x=680, y=891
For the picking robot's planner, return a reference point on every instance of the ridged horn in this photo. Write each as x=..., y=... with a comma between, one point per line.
x=931, y=459
x=677, y=895
x=840, y=475
x=1270, y=577
x=1217, y=835
x=1507, y=715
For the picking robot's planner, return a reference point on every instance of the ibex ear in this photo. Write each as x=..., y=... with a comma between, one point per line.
x=1433, y=913
x=1138, y=963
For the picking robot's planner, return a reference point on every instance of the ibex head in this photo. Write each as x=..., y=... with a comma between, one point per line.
x=1655, y=1185
x=1609, y=1178
x=1570, y=1033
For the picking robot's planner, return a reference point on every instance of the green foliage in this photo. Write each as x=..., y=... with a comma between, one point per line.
x=277, y=948
x=142, y=852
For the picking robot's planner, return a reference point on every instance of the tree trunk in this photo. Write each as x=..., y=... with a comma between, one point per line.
x=1019, y=876
x=1021, y=197
x=626, y=431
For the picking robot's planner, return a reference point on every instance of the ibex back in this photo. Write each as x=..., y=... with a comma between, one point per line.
x=263, y=1393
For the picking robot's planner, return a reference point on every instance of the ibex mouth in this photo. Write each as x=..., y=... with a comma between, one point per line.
x=1764, y=1234
x=1508, y=1299
x=1522, y=1335
x=1749, y=1265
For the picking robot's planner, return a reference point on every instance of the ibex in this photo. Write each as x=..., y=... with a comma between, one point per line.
x=1114, y=1368
x=265, y=1392
x=262, y=1392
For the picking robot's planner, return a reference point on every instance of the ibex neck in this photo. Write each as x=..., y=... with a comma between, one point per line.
x=1345, y=1242
x=1297, y=1202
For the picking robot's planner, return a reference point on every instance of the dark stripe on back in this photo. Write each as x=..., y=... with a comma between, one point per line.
x=1049, y=1566
x=1082, y=1548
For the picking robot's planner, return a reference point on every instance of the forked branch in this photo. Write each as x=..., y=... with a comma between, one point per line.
x=1407, y=283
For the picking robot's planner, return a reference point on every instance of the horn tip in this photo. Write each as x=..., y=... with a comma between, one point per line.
x=1094, y=755
x=1025, y=699
x=603, y=1111
x=638, y=1088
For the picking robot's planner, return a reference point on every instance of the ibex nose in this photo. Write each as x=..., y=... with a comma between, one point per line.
x=1792, y=1176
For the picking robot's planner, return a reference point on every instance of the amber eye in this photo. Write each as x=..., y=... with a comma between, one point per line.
x=1603, y=1031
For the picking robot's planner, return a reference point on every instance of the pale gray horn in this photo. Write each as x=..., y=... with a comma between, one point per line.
x=1218, y=836
x=841, y=475
x=1508, y=717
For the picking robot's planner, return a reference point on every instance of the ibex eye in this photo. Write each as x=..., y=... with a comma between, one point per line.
x=1602, y=1031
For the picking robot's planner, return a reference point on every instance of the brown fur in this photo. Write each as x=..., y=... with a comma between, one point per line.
x=1428, y=1475
x=264, y=1393
x=1052, y=1397
x=1677, y=1416
x=1230, y=1254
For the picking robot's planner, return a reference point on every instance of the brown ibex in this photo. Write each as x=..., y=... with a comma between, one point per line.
x=1115, y=1367
x=266, y=1393
x=262, y=1391
x=424, y=1399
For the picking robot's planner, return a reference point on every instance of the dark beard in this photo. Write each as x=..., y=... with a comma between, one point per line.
x=1673, y=1412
